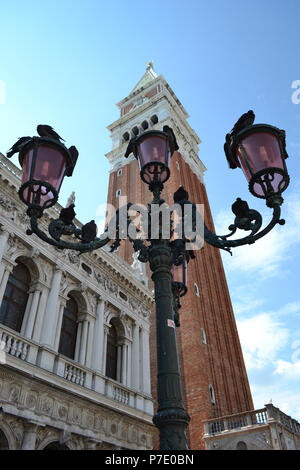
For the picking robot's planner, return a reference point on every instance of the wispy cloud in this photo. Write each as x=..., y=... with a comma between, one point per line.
x=272, y=357
x=244, y=300
x=291, y=370
x=262, y=337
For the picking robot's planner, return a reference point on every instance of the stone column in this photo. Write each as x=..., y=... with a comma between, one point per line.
x=40, y=314
x=89, y=347
x=135, y=363
x=124, y=363
x=83, y=342
x=32, y=313
x=5, y=276
x=128, y=365
x=146, y=384
x=78, y=342
x=106, y=330
x=29, y=436
x=98, y=342
x=59, y=323
x=3, y=240
x=3, y=244
x=26, y=313
x=119, y=362
x=49, y=324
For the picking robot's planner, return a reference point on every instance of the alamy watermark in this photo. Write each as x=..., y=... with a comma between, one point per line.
x=296, y=93
x=156, y=221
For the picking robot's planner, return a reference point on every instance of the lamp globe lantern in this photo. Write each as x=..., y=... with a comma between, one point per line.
x=153, y=151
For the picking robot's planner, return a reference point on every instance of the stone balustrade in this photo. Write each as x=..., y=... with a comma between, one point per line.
x=286, y=421
x=74, y=374
x=237, y=421
x=121, y=395
x=253, y=418
x=14, y=346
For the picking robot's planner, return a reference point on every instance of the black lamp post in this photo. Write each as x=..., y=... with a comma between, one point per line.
x=179, y=286
x=259, y=150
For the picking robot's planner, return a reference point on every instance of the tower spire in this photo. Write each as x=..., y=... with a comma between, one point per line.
x=150, y=65
x=148, y=76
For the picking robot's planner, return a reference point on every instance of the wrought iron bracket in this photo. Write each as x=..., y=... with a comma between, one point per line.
x=248, y=220
x=57, y=228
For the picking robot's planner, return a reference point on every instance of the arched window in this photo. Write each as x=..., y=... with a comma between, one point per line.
x=196, y=289
x=56, y=446
x=15, y=297
x=69, y=329
x=111, y=354
x=3, y=441
x=241, y=445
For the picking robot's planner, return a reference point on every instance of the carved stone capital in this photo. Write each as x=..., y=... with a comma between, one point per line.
x=4, y=231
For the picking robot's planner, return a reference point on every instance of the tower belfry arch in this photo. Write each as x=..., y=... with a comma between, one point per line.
x=213, y=372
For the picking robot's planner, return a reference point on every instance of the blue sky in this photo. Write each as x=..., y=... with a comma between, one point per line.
x=67, y=63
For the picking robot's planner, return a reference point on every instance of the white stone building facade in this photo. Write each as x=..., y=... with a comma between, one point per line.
x=50, y=400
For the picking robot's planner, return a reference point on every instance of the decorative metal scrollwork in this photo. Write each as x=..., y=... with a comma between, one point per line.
x=246, y=219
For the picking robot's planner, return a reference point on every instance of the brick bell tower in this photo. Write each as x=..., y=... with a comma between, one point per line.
x=213, y=373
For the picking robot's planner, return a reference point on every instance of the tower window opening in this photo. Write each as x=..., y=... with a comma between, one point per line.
x=125, y=136
x=119, y=172
x=135, y=130
x=196, y=289
x=145, y=125
x=203, y=336
x=212, y=394
x=154, y=119
x=118, y=192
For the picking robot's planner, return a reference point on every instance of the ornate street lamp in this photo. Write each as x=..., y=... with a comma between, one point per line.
x=45, y=162
x=258, y=149
x=153, y=151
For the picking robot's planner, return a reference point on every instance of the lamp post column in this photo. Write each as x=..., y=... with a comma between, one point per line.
x=171, y=417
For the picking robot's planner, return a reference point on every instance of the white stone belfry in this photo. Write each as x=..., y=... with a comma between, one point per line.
x=150, y=105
